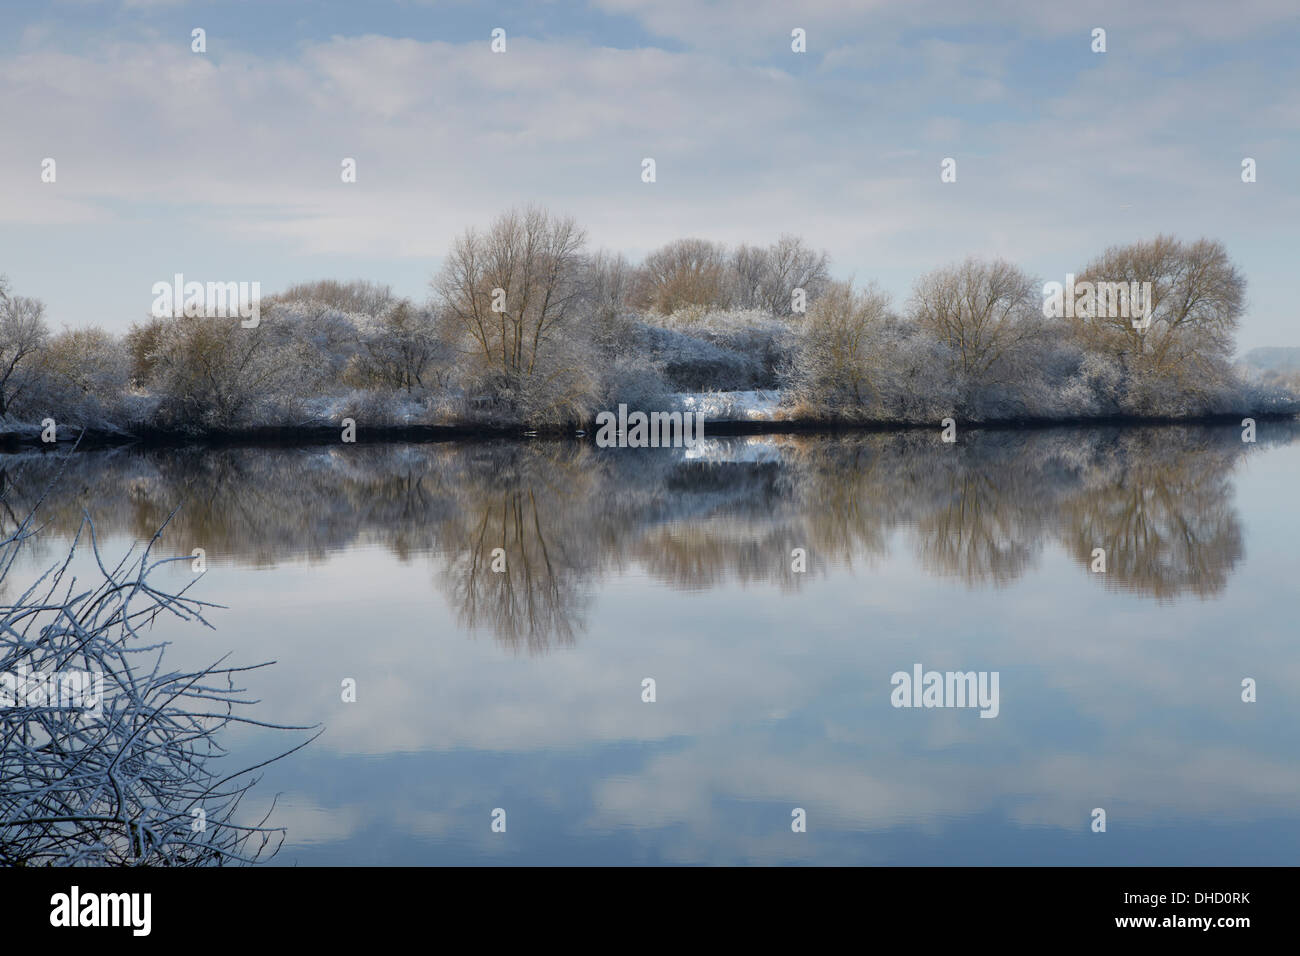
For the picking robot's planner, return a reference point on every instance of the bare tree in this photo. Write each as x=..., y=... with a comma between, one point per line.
x=515, y=286
x=683, y=273
x=982, y=311
x=23, y=333
x=141, y=343
x=1197, y=299
x=89, y=361
x=749, y=267
x=608, y=287
x=120, y=765
x=791, y=265
x=359, y=296
x=609, y=281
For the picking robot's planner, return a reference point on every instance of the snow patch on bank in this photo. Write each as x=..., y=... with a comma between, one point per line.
x=758, y=405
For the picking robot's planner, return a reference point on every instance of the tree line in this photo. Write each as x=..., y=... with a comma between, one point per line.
x=524, y=325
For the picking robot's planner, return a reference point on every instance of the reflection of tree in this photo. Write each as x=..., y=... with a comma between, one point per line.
x=699, y=556
x=847, y=512
x=565, y=513
x=528, y=505
x=1164, y=517
x=532, y=599
x=975, y=536
x=715, y=521
x=123, y=768
x=986, y=505
x=9, y=520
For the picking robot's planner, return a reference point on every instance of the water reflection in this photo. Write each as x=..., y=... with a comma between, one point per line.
x=567, y=515
x=1119, y=690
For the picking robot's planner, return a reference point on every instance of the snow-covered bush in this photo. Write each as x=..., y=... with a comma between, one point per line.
x=377, y=408
x=837, y=368
x=720, y=349
x=80, y=380
x=316, y=339
x=856, y=361
x=403, y=348
x=124, y=787
x=214, y=373
x=638, y=381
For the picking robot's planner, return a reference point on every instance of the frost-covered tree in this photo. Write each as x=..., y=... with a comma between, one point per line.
x=315, y=339
x=515, y=294
x=23, y=334
x=608, y=286
x=403, y=348
x=121, y=786
x=213, y=372
x=749, y=265
x=838, y=359
x=981, y=310
x=791, y=265
x=720, y=349
x=83, y=375
x=685, y=272
x=515, y=286
x=141, y=342
x=1177, y=360
x=358, y=296
x=89, y=360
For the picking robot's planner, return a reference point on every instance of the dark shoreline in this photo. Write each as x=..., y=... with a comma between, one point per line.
x=315, y=435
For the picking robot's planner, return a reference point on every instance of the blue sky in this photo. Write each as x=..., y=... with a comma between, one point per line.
x=225, y=165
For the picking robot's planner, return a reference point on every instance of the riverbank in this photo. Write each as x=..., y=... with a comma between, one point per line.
x=330, y=434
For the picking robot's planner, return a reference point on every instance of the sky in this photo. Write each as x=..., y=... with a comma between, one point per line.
x=226, y=165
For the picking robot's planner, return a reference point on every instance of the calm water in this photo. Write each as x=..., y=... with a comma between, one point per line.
x=523, y=691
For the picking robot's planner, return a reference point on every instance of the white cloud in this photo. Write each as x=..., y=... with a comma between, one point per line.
x=237, y=146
